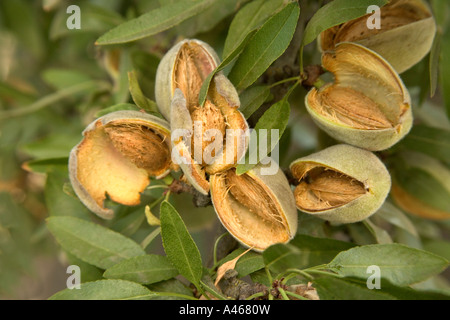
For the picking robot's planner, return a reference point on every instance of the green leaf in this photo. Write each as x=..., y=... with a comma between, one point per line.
x=380, y=235
x=58, y=203
x=62, y=78
x=150, y=237
x=356, y=289
x=335, y=13
x=441, y=13
x=129, y=222
x=407, y=293
x=116, y=107
x=248, y=19
x=15, y=243
x=252, y=99
x=395, y=216
x=55, y=145
x=179, y=245
x=265, y=47
x=445, y=70
x=329, y=288
x=275, y=118
x=91, y=242
x=138, y=96
x=435, y=54
x=106, y=290
x=230, y=58
x=46, y=165
x=399, y=264
x=247, y=264
x=170, y=290
x=432, y=141
x=261, y=276
x=302, y=252
x=146, y=269
x=121, y=92
x=154, y=21
x=208, y=285
x=360, y=234
x=207, y=19
x=280, y=257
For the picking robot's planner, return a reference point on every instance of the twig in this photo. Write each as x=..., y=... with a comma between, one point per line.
x=199, y=199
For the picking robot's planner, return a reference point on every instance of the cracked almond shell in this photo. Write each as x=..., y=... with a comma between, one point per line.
x=341, y=184
x=406, y=34
x=258, y=210
x=116, y=158
x=367, y=105
x=179, y=79
x=183, y=55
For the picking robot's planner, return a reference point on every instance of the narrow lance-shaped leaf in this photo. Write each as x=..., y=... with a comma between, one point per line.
x=116, y=107
x=380, y=235
x=138, y=96
x=399, y=264
x=154, y=21
x=106, y=290
x=329, y=288
x=249, y=18
x=335, y=13
x=395, y=216
x=230, y=58
x=57, y=202
x=252, y=99
x=275, y=118
x=441, y=12
x=63, y=78
x=303, y=251
x=207, y=19
x=269, y=42
x=144, y=269
x=91, y=242
x=445, y=71
x=178, y=244
x=121, y=91
x=434, y=63
x=45, y=165
x=247, y=264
